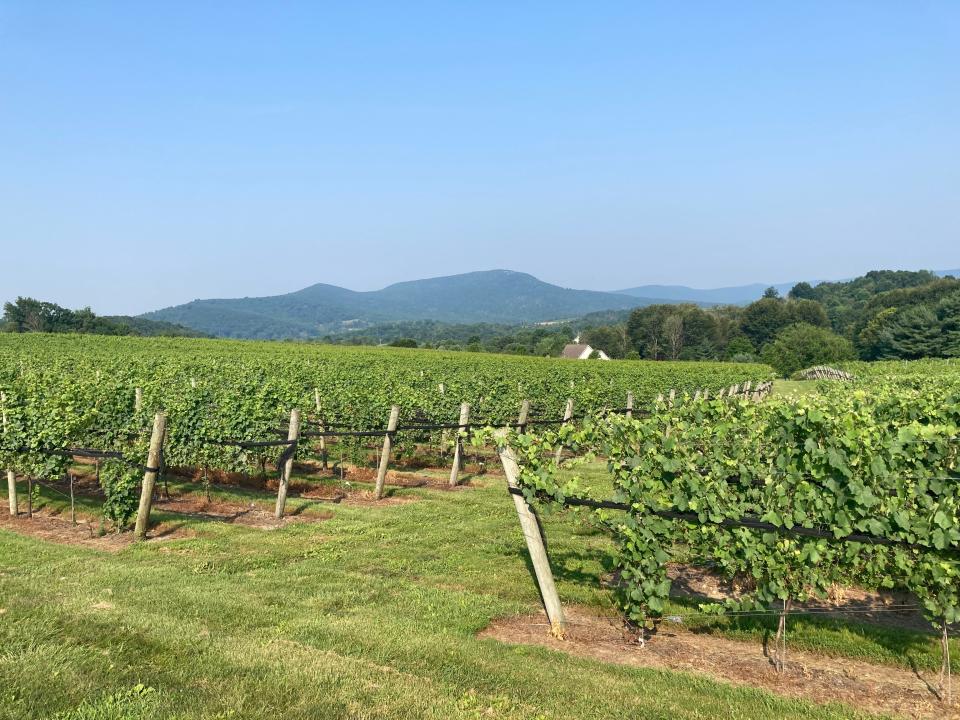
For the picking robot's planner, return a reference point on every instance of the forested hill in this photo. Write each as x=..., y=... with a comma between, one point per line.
x=494, y=296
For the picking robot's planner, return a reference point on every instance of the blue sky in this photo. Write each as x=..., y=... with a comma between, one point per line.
x=155, y=153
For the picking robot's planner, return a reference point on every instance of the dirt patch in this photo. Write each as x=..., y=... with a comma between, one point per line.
x=248, y=515
x=812, y=677
x=86, y=533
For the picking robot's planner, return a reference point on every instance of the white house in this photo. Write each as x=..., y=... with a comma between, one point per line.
x=581, y=351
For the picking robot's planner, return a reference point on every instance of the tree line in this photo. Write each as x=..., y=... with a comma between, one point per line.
x=883, y=315
x=29, y=315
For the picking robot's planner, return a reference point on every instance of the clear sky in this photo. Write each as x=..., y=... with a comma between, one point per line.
x=152, y=153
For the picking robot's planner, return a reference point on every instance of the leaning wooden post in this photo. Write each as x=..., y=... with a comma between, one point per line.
x=11, y=477
x=387, y=444
x=293, y=434
x=534, y=540
x=323, y=428
x=458, y=450
x=150, y=476
x=567, y=414
x=629, y=404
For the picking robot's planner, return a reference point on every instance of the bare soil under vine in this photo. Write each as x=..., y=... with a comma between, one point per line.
x=59, y=528
x=809, y=676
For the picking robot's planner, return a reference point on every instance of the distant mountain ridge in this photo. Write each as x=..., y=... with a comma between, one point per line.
x=501, y=297
x=492, y=296
x=734, y=295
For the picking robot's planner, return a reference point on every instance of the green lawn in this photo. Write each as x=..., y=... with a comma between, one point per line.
x=794, y=388
x=369, y=614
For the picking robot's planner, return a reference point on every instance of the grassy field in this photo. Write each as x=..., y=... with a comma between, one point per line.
x=370, y=613
x=794, y=388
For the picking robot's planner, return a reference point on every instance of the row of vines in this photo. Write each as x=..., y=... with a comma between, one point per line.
x=63, y=391
x=785, y=498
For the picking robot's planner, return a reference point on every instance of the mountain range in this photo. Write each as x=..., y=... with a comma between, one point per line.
x=491, y=296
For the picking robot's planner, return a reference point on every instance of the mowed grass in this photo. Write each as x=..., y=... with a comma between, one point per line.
x=372, y=613
x=794, y=388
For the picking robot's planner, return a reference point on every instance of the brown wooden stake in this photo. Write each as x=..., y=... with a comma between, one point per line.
x=150, y=476
x=946, y=684
x=534, y=539
x=458, y=450
x=73, y=507
x=567, y=414
x=29, y=497
x=287, y=470
x=385, y=455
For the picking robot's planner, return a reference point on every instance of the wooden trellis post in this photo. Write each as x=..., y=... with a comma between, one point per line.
x=567, y=414
x=11, y=477
x=629, y=404
x=458, y=450
x=323, y=428
x=385, y=455
x=137, y=399
x=150, y=476
x=534, y=540
x=522, y=418
x=287, y=470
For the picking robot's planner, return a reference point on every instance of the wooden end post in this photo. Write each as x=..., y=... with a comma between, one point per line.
x=387, y=444
x=150, y=476
x=629, y=404
x=534, y=540
x=287, y=470
x=11, y=477
x=522, y=418
x=458, y=450
x=567, y=414
x=323, y=428
x=12, y=492
x=137, y=399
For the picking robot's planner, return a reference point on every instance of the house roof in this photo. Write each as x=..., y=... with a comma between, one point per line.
x=574, y=350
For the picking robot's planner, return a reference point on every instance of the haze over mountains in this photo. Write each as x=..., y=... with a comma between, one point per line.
x=492, y=296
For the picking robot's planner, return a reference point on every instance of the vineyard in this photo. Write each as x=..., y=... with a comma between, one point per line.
x=662, y=463
x=225, y=402
x=789, y=498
